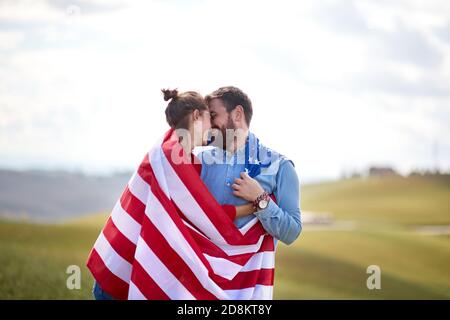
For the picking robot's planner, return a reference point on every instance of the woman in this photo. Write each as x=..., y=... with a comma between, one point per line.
x=187, y=113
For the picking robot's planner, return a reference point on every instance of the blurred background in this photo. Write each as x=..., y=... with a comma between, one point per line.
x=356, y=93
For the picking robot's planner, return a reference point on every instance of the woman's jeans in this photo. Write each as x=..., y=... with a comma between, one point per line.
x=99, y=294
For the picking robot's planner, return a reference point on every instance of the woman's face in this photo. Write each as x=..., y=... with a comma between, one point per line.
x=202, y=126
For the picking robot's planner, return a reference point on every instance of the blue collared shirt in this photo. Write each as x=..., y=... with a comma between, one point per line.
x=278, y=176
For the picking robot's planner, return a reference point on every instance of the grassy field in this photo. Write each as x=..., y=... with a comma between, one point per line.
x=321, y=264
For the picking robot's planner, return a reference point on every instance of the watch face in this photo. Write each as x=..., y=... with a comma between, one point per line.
x=263, y=204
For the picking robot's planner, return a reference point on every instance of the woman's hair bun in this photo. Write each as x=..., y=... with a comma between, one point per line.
x=169, y=94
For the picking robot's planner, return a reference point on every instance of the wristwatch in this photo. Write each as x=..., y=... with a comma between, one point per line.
x=262, y=201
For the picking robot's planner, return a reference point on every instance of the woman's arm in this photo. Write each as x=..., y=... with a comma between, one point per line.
x=235, y=212
x=244, y=210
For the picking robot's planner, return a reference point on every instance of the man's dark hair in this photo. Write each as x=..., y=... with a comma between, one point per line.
x=232, y=97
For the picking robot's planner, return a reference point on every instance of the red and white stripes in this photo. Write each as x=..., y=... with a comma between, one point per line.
x=168, y=238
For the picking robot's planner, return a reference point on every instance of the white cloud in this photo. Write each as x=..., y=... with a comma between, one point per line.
x=10, y=39
x=85, y=91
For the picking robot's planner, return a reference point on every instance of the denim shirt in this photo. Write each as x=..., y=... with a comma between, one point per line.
x=278, y=176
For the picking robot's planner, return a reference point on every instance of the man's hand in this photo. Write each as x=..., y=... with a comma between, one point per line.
x=247, y=188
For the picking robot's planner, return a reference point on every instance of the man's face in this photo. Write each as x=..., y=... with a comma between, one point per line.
x=220, y=121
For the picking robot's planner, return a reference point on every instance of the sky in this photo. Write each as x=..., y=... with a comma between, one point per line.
x=336, y=86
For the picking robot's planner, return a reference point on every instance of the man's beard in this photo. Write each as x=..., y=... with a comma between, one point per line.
x=222, y=143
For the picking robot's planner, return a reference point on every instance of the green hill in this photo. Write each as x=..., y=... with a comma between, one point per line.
x=321, y=264
x=394, y=200
x=34, y=259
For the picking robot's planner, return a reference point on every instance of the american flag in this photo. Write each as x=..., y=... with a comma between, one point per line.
x=168, y=238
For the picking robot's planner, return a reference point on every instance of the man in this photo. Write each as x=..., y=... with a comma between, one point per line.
x=240, y=170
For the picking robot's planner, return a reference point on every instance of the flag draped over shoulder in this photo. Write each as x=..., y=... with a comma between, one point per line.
x=168, y=238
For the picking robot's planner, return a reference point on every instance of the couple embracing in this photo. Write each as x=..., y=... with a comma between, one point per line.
x=201, y=216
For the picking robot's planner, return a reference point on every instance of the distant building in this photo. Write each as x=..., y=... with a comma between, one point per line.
x=382, y=172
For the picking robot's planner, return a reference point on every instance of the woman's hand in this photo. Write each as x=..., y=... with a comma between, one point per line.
x=247, y=188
